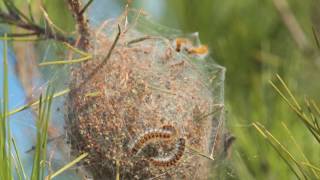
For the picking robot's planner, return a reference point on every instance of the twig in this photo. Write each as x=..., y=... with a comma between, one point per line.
x=82, y=23
x=140, y=39
x=48, y=141
x=113, y=45
x=86, y=6
x=105, y=60
x=33, y=28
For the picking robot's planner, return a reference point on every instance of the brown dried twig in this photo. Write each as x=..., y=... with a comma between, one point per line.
x=82, y=22
x=104, y=61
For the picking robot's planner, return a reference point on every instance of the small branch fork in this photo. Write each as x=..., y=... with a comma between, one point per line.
x=16, y=18
x=11, y=15
x=82, y=22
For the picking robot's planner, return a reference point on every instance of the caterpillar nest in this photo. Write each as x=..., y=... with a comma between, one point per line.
x=148, y=111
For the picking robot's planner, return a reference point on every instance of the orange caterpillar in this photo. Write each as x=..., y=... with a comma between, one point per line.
x=200, y=51
x=165, y=133
x=171, y=159
x=182, y=43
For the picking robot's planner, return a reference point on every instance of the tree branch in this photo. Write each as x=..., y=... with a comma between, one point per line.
x=82, y=23
x=33, y=28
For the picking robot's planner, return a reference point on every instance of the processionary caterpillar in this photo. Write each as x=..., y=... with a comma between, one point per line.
x=165, y=133
x=182, y=43
x=169, y=127
x=199, y=51
x=172, y=158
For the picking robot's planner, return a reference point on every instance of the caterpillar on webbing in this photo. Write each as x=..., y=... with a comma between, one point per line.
x=172, y=158
x=199, y=51
x=165, y=133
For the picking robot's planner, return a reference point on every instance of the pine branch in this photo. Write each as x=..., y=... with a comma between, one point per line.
x=82, y=23
x=32, y=28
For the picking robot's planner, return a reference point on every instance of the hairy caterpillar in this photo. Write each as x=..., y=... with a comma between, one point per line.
x=182, y=43
x=200, y=51
x=165, y=133
x=169, y=127
x=172, y=158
